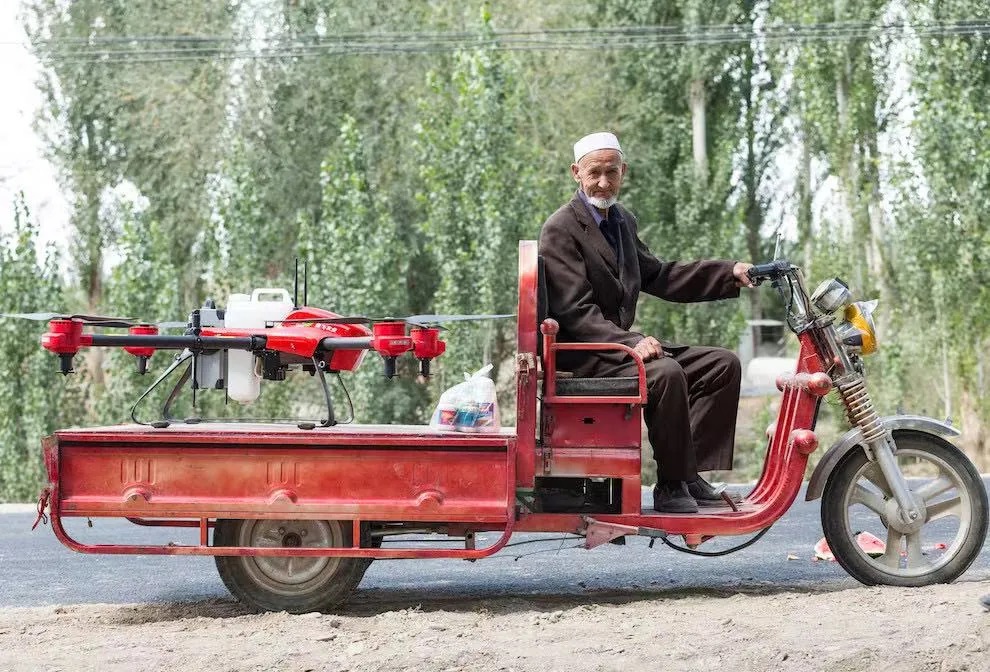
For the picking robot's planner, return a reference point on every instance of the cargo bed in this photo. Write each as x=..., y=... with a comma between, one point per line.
x=235, y=470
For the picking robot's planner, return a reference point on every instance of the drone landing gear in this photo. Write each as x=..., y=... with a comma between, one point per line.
x=318, y=369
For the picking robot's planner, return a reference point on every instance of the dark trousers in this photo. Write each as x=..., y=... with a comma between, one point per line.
x=690, y=413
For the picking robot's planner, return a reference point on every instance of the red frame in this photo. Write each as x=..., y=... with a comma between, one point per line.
x=192, y=475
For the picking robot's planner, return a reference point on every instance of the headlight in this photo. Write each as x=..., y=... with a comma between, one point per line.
x=831, y=295
x=858, y=330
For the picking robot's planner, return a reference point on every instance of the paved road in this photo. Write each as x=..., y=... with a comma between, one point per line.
x=35, y=570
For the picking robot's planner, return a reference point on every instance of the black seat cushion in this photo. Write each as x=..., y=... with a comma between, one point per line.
x=598, y=387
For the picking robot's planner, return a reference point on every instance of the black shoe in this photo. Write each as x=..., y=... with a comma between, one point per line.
x=673, y=497
x=707, y=494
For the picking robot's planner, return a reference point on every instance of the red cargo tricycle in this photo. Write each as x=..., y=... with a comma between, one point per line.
x=298, y=513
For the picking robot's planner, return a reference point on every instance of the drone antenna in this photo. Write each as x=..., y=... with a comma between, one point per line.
x=305, y=282
x=295, y=291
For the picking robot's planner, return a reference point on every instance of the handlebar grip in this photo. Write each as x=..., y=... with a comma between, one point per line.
x=770, y=270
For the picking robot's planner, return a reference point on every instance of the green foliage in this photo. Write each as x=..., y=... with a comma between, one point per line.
x=156, y=124
x=33, y=396
x=144, y=285
x=683, y=206
x=480, y=192
x=944, y=237
x=359, y=264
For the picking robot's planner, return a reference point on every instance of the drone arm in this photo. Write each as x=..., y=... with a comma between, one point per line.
x=390, y=340
x=65, y=338
x=194, y=343
x=346, y=343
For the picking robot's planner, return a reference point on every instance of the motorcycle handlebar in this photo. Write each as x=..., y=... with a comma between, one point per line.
x=768, y=271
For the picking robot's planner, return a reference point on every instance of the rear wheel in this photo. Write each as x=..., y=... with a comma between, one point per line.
x=293, y=584
x=936, y=548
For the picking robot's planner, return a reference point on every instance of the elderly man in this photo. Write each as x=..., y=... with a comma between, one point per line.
x=596, y=266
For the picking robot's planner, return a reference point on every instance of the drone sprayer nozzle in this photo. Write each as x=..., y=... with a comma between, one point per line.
x=389, y=367
x=65, y=364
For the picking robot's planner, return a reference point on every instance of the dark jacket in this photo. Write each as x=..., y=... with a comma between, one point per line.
x=594, y=298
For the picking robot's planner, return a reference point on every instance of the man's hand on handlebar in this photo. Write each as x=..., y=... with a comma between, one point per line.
x=772, y=270
x=649, y=348
x=741, y=273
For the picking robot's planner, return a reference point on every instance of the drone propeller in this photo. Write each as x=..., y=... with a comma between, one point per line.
x=94, y=320
x=427, y=320
x=415, y=320
x=354, y=319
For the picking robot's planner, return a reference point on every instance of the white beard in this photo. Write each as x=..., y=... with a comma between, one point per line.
x=603, y=203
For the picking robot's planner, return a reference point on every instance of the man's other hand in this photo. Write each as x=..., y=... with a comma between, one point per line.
x=649, y=348
x=739, y=271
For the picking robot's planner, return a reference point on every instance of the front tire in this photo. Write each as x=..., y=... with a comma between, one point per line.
x=297, y=585
x=937, y=548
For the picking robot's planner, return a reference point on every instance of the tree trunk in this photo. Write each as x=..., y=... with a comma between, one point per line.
x=91, y=232
x=946, y=382
x=699, y=134
x=751, y=179
x=880, y=262
x=804, y=214
x=974, y=431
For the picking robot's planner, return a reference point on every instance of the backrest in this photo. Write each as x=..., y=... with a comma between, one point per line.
x=542, y=302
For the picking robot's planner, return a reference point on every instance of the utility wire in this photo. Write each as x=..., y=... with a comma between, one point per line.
x=142, y=49
x=708, y=29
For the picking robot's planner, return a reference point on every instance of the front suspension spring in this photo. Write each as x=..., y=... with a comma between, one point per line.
x=860, y=410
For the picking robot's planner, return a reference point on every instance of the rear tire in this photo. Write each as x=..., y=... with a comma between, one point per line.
x=938, y=548
x=297, y=585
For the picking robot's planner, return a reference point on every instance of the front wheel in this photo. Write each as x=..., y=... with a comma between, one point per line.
x=297, y=585
x=936, y=548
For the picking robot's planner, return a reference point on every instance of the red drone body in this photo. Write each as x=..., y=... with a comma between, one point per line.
x=305, y=333
x=314, y=339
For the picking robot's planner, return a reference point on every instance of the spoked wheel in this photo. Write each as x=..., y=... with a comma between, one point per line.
x=293, y=584
x=937, y=547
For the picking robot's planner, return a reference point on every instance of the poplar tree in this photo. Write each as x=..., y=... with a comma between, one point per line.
x=35, y=399
x=480, y=190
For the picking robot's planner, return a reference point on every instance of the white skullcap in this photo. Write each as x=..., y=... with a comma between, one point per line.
x=594, y=142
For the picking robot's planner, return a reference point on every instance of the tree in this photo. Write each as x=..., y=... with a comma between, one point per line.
x=840, y=95
x=480, y=192
x=145, y=285
x=290, y=110
x=945, y=236
x=33, y=396
x=359, y=264
x=680, y=123
x=149, y=120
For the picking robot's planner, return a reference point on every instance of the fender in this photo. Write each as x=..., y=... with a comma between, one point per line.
x=854, y=437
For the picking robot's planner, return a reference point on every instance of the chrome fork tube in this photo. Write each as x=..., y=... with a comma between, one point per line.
x=879, y=443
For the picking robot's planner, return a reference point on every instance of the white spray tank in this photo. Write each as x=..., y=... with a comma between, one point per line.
x=251, y=312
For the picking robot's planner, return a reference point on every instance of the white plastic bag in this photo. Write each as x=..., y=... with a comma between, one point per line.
x=470, y=406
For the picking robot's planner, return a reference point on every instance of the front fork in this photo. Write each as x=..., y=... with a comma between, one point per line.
x=878, y=441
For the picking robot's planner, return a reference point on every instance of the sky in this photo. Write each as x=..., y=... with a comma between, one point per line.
x=23, y=167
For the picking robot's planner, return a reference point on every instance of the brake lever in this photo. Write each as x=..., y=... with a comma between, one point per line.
x=756, y=280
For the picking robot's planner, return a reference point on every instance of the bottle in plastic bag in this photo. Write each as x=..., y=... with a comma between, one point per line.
x=470, y=406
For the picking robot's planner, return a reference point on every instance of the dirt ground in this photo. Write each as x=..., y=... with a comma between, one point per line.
x=876, y=629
